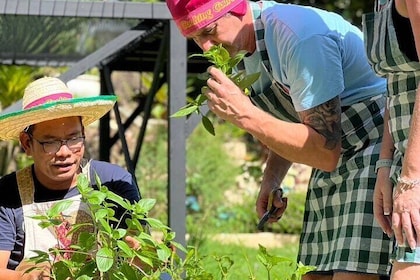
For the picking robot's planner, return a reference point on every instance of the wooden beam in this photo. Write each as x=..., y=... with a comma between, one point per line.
x=89, y=9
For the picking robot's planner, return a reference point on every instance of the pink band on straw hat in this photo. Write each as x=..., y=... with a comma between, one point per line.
x=49, y=98
x=192, y=15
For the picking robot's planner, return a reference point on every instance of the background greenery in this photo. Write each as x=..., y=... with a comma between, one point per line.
x=245, y=262
x=211, y=172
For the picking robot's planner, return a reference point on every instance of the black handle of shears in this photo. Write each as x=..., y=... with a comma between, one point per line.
x=265, y=217
x=272, y=210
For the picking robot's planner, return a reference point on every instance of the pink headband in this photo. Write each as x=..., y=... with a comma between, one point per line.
x=192, y=15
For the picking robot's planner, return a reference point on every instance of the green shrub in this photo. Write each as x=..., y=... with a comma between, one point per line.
x=250, y=263
x=206, y=158
x=97, y=249
x=210, y=173
x=242, y=218
x=91, y=253
x=152, y=170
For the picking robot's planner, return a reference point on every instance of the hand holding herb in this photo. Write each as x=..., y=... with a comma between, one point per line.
x=221, y=59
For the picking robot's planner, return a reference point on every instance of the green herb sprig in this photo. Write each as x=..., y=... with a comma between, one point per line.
x=292, y=269
x=221, y=59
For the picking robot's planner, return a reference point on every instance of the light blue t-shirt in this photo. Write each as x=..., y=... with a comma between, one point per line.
x=317, y=55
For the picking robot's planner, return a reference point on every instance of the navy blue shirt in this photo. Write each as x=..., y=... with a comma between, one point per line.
x=12, y=235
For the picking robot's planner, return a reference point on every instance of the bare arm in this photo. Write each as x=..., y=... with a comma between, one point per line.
x=407, y=203
x=318, y=136
x=8, y=274
x=326, y=120
x=406, y=206
x=382, y=198
x=412, y=161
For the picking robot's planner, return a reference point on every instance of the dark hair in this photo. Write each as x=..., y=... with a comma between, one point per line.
x=29, y=129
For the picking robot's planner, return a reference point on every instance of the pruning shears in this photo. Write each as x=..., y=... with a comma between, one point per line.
x=271, y=209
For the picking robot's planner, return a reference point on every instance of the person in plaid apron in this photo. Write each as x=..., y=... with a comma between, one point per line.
x=393, y=47
x=50, y=128
x=317, y=102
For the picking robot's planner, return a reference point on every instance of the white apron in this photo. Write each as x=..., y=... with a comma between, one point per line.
x=37, y=238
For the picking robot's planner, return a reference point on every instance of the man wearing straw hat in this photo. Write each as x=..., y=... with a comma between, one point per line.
x=50, y=128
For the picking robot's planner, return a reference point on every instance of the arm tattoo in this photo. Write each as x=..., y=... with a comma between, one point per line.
x=326, y=120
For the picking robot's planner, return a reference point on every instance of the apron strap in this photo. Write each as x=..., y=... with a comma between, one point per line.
x=25, y=184
x=380, y=4
x=278, y=92
x=86, y=169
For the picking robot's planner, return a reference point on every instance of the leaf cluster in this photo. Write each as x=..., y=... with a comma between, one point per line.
x=221, y=59
x=101, y=252
x=297, y=270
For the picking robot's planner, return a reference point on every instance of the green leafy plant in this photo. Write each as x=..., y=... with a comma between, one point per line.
x=295, y=271
x=276, y=268
x=220, y=58
x=101, y=251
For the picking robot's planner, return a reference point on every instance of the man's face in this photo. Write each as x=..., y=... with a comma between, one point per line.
x=57, y=162
x=229, y=31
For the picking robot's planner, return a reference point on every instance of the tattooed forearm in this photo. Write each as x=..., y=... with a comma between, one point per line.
x=326, y=120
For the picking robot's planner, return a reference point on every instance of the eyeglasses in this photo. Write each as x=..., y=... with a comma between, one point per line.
x=51, y=147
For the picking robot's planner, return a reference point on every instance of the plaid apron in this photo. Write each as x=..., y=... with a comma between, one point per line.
x=403, y=77
x=339, y=229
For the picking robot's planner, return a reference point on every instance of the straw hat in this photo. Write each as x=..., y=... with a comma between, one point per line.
x=47, y=99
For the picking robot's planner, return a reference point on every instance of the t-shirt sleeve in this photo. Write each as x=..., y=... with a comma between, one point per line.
x=116, y=179
x=11, y=234
x=11, y=220
x=7, y=229
x=315, y=72
x=9, y=205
